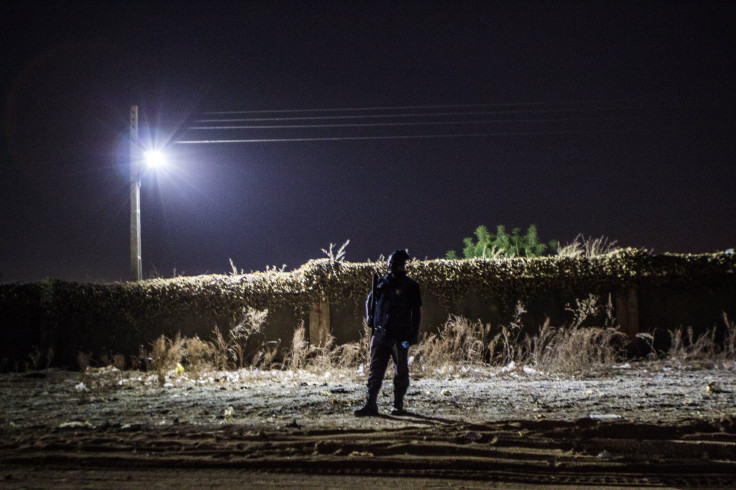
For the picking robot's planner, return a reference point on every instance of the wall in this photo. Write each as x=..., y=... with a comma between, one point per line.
x=645, y=291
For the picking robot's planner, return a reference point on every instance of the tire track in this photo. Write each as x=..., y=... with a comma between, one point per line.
x=690, y=453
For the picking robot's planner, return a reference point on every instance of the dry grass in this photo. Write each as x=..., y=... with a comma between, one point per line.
x=506, y=346
x=459, y=345
x=327, y=355
x=580, y=346
x=244, y=345
x=568, y=349
x=590, y=343
x=583, y=246
x=220, y=351
x=321, y=357
x=200, y=355
x=296, y=358
x=83, y=360
x=354, y=354
x=716, y=346
x=576, y=349
x=166, y=354
x=247, y=345
x=460, y=342
x=336, y=256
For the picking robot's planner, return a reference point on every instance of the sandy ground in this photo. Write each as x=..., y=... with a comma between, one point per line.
x=637, y=425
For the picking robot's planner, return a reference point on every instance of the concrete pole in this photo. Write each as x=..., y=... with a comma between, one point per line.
x=136, y=262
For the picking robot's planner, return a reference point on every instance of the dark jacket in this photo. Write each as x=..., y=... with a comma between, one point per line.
x=397, y=307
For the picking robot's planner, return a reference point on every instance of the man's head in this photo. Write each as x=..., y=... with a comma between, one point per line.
x=397, y=262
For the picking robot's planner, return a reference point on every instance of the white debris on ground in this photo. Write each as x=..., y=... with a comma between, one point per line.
x=637, y=392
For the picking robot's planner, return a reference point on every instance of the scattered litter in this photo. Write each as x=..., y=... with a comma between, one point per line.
x=605, y=416
x=228, y=413
x=76, y=424
x=529, y=370
x=508, y=367
x=102, y=370
x=714, y=387
x=81, y=388
x=605, y=455
x=179, y=369
x=360, y=454
x=622, y=366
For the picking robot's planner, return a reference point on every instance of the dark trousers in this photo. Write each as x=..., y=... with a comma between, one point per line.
x=384, y=347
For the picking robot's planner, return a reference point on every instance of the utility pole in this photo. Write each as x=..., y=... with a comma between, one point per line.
x=136, y=262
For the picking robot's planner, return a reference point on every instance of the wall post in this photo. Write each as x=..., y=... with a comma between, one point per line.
x=627, y=311
x=319, y=323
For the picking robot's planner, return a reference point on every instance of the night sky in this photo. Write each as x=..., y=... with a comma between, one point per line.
x=392, y=124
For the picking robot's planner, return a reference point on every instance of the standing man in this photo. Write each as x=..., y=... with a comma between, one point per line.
x=393, y=311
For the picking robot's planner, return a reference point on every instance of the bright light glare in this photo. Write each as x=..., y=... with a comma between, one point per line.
x=154, y=158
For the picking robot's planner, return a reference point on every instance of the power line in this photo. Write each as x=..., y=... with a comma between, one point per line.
x=393, y=116
x=425, y=107
x=561, y=117
x=400, y=137
x=390, y=124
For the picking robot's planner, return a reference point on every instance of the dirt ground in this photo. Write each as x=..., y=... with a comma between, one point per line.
x=637, y=425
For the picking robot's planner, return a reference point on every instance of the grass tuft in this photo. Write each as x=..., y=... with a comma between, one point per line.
x=459, y=342
x=165, y=354
x=590, y=343
x=716, y=346
x=589, y=247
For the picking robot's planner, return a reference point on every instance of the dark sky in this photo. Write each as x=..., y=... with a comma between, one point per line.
x=601, y=118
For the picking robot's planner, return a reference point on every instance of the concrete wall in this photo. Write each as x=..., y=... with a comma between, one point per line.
x=662, y=292
x=635, y=310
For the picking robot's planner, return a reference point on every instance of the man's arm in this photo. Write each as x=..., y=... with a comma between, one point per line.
x=416, y=317
x=369, y=310
x=370, y=302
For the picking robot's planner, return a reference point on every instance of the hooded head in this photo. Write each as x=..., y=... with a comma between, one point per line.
x=397, y=262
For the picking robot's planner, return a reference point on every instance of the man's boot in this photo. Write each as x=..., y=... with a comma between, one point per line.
x=370, y=409
x=398, y=407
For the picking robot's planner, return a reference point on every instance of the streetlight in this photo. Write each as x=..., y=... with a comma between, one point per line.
x=136, y=263
x=153, y=158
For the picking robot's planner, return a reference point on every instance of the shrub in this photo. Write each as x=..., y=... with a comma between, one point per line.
x=490, y=246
